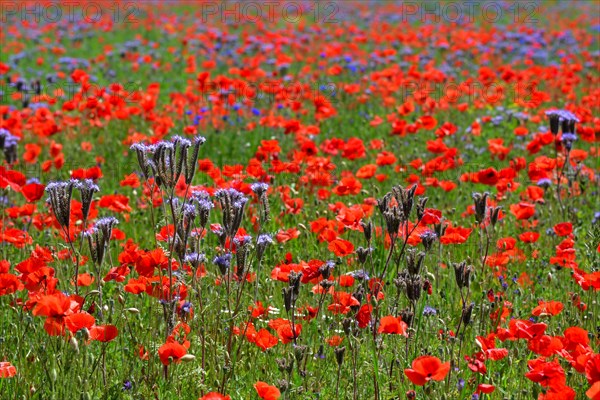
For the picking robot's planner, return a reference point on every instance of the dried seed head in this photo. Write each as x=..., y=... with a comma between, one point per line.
x=300, y=353
x=414, y=284
x=86, y=188
x=407, y=316
x=367, y=230
x=440, y=229
x=195, y=259
x=462, y=273
x=393, y=217
x=190, y=163
x=288, y=298
x=363, y=253
x=414, y=261
x=350, y=326
x=294, y=282
x=384, y=202
x=59, y=195
x=428, y=238
x=494, y=215
x=480, y=206
x=359, y=294
x=421, y=207
x=339, y=355
x=467, y=312
x=223, y=262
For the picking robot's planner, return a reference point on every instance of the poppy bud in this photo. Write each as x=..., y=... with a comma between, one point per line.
x=74, y=344
x=188, y=358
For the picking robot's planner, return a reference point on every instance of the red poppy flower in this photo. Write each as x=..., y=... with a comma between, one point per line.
x=488, y=176
x=522, y=210
x=529, y=237
x=265, y=340
x=33, y=191
x=9, y=283
x=392, y=325
x=426, y=368
x=287, y=235
x=593, y=392
x=547, y=308
x=266, y=391
x=563, y=229
x=341, y=247
x=455, y=235
x=103, y=333
x=214, y=396
x=77, y=321
x=171, y=352
x=7, y=370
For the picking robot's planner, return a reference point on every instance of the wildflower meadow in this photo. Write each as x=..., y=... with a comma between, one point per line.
x=299, y=200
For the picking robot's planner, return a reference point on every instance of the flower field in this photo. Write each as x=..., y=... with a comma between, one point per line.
x=300, y=200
